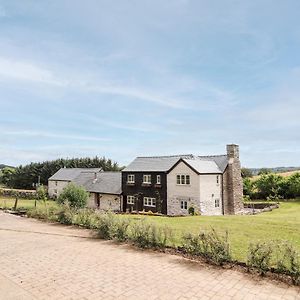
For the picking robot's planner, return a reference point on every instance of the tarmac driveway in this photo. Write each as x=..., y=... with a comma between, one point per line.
x=50, y=261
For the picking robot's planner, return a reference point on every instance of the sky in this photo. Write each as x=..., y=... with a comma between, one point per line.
x=124, y=78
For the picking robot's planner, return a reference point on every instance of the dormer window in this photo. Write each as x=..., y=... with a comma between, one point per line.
x=130, y=178
x=147, y=179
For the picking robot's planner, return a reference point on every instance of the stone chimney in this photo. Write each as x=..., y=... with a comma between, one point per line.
x=232, y=182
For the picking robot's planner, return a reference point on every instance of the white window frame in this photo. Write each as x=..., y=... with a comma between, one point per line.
x=148, y=201
x=130, y=199
x=130, y=178
x=147, y=178
x=217, y=203
x=183, y=204
x=158, y=179
x=183, y=179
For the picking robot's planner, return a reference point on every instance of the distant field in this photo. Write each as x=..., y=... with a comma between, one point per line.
x=283, y=174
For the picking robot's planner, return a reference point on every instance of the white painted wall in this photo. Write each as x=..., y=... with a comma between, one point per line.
x=176, y=193
x=56, y=187
x=209, y=191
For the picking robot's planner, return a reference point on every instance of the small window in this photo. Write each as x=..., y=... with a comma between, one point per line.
x=183, y=179
x=55, y=191
x=147, y=179
x=130, y=178
x=130, y=199
x=183, y=204
x=158, y=179
x=217, y=202
x=217, y=179
x=55, y=183
x=149, y=201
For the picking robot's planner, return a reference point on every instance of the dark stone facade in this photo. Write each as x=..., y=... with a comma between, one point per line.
x=141, y=190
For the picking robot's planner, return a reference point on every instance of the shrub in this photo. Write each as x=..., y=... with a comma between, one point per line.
x=65, y=214
x=41, y=193
x=147, y=235
x=288, y=261
x=121, y=229
x=259, y=256
x=208, y=245
x=106, y=226
x=191, y=210
x=85, y=217
x=76, y=196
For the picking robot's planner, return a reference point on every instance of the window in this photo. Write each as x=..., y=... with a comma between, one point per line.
x=217, y=202
x=130, y=178
x=183, y=204
x=130, y=199
x=158, y=179
x=55, y=191
x=183, y=179
x=149, y=201
x=217, y=179
x=55, y=183
x=147, y=179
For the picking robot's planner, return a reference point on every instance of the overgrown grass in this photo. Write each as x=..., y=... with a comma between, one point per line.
x=280, y=224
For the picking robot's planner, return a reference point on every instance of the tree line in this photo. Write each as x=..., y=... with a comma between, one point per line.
x=24, y=177
x=272, y=186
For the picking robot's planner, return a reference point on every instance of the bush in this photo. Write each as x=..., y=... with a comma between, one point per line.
x=66, y=214
x=76, y=196
x=86, y=217
x=121, y=229
x=147, y=235
x=288, y=262
x=106, y=226
x=208, y=245
x=191, y=210
x=41, y=193
x=259, y=256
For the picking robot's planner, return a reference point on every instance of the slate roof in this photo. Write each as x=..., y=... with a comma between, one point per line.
x=106, y=183
x=202, y=164
x=69, y=174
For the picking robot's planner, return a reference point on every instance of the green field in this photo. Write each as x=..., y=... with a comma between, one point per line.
x=6, y=202
x=280, y=224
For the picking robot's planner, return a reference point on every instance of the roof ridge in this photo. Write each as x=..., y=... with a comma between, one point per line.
x=166, y=156
x=218, y=155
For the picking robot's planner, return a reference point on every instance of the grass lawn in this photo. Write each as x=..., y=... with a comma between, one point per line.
x=6, y=202
x=280, y=224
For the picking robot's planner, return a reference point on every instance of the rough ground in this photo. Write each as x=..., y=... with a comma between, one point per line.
x=49, y=261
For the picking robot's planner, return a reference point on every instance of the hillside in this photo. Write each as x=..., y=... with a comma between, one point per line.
x=279, y=170
x=2, y=166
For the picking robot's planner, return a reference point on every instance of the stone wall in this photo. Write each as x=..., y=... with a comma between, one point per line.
x=233, y=183
x=107, y=202
x=55, y=187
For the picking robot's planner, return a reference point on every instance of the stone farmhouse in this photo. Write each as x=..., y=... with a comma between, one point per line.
x=171, y=185
x=104, y=187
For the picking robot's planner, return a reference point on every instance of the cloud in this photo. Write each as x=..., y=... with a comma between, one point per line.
x=43, y=134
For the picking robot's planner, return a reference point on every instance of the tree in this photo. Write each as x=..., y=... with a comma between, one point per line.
x=293, y=185
x=264, y=171
x=248, y=187
x=76, y=196
x=246, y=173
x=269, y=185
x=6, y=175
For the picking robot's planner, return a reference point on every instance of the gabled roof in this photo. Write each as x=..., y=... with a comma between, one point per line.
x=201, y=164
x=106, y=183
x=69, y=174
